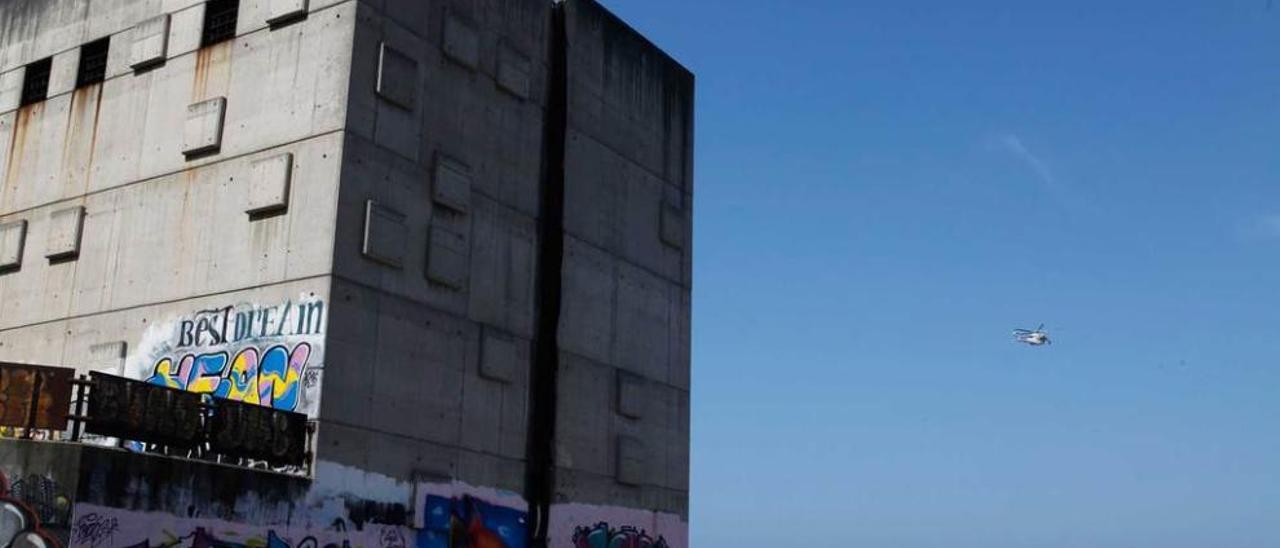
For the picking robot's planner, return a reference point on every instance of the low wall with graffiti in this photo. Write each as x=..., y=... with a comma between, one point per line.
x=264, y=353
x=62, y=495
x=38, y=482
x=591, y=526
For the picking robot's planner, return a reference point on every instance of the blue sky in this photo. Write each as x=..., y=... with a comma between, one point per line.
x=884, y=190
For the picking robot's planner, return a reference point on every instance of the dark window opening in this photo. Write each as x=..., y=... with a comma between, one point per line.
x=35, y=85
x=93, y=63
x=219, y=21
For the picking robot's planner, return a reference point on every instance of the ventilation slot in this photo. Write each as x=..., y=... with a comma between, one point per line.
x=93, y=63
x=219, y=21
x=36, y=85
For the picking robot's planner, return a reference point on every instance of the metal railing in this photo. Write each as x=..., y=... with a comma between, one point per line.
x=146, y=418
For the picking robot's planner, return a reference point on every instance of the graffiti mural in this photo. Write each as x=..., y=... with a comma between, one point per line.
x=460, y=516
x=103, y=527
x=31, y=512
x=601, y=536
x=269, y=355
x=588, y=526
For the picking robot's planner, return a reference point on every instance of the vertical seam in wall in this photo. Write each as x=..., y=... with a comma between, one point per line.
x=540, y=465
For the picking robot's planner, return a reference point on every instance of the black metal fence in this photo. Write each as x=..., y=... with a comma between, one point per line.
x=53, y=403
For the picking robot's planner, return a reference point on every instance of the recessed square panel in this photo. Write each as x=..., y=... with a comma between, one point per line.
x=447, y=258
x=108, y=357
x=397, y=77
x=285, y=11
x=632, y=461
x=63, y=239
x=514, y=72
x=631, y=397
x=461, y=41
x=13, y=237
x=11, y=88
x=269, y=184
x=385, y=234
x=202, y=133
x=452, y=185
x=498, y=356
x=150, y=42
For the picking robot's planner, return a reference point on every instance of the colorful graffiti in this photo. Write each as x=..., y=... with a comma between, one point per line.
x=103, y=527
x=469, y=522
x=271, y=378
x=263, y=355
x=601, y=536
x=570, y=525
x=202, y=538
x=29, y=511
x=458, y=515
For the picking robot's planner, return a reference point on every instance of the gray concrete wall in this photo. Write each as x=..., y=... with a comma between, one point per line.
x=125, y=235
x=622, y=434
x=433, y=289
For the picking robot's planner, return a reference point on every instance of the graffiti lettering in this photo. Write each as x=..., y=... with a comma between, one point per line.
x=391, y=537
x=20, y=523
x=602, y=536
x=247, y=353
x=271, y=378
x=93, y=528
x=202, y=538
x=254, y=432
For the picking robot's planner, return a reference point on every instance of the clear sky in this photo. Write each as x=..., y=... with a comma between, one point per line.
x=884, y=190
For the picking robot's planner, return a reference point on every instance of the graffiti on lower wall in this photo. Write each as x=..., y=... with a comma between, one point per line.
x=384, y=513
x=601, y=535
x=590, y=526
x=264, y=354
x=456, y=515
x=103, y=527
x=34, y=513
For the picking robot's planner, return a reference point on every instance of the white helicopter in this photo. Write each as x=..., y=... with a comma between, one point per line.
x=1032, y=337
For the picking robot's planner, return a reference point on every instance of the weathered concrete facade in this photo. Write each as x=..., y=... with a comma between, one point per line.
x=456, y=232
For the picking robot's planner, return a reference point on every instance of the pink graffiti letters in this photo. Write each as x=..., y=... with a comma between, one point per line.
x=272, y=377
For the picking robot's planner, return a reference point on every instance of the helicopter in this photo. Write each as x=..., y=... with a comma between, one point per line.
x=1032, y=337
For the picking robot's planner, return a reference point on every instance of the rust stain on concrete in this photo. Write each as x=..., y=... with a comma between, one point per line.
x=17, y=149
x=212, y=66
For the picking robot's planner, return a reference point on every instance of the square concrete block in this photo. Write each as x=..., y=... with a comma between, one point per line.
x=397, y=77
x=498, y=356
x=65, y=228
x=385, y=234
x=672, y=226
x=285, y=11
x=202, y=132
x=11, y=88
x=62, y=76
x=150, y=42
x=452, y=185
x=108, y=357
x=631, y=395
x=514, y=72
x=447, y=258
x=461, y=41
x=269, y=184
x=632, y=461
x=13, y=236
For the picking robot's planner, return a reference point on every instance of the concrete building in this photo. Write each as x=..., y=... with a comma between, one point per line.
x=454, y=234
